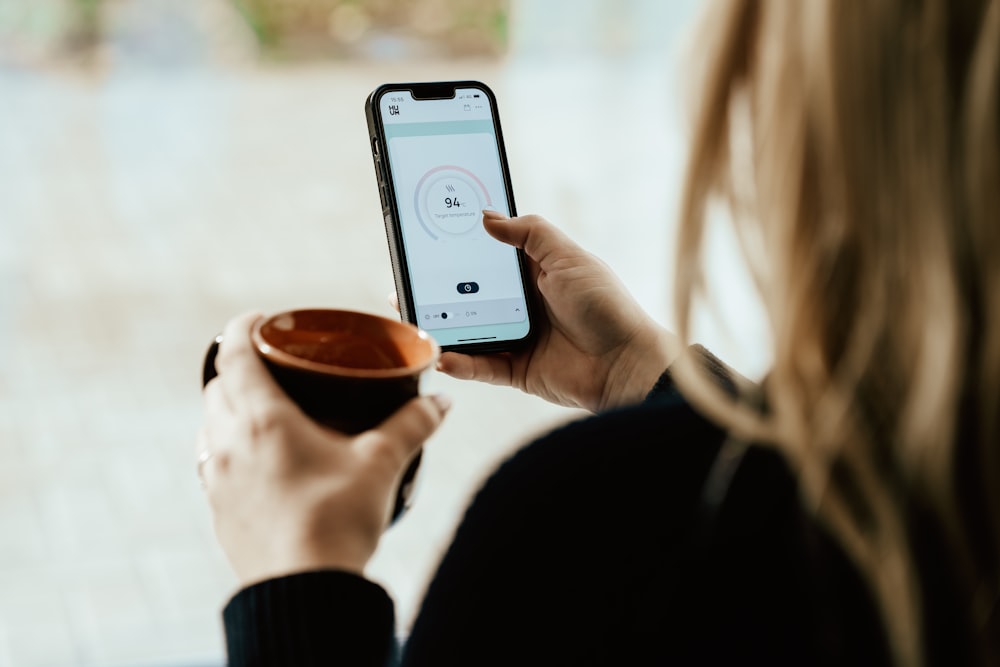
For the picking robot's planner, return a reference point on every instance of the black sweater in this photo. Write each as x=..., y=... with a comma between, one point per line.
x=639, y=536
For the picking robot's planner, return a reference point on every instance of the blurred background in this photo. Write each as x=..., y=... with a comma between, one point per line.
x=166, y=164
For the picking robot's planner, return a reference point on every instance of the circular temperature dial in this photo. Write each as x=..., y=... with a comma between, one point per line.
x=450, y=199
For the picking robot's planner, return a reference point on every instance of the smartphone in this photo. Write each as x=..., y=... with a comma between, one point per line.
x=440, y=161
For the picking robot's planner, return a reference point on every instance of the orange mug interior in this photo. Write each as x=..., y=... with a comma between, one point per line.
x=344, y=342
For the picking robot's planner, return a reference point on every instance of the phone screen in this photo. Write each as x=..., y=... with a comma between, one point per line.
x=443, y=158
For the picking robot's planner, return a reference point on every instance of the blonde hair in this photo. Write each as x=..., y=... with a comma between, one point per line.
x=867, y=200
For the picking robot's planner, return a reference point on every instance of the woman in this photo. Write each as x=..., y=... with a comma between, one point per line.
x=847, y=511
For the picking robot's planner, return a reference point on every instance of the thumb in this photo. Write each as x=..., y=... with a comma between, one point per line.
x=542, y=241
x=400, y=436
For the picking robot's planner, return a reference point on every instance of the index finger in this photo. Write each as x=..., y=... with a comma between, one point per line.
x=243, y=377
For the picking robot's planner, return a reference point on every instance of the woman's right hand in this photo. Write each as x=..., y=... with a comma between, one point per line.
x=594, y=346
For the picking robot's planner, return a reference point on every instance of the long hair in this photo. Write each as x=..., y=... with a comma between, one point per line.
x=857, y=147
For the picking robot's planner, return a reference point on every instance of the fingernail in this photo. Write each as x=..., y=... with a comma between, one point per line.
x=493, y=214
x=442, y=401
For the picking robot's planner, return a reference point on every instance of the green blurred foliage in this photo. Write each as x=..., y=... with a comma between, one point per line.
x=46, y=30
x=52, y=30
x=445, y=28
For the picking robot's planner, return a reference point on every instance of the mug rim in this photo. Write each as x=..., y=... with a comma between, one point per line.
x=282, y=358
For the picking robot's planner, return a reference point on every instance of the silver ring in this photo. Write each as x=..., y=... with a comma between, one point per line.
x=203, y=458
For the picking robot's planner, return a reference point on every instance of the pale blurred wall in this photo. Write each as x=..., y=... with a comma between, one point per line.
x=597, y=90
x=623, y=30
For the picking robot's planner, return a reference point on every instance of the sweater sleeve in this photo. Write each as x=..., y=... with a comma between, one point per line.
x=723, y=375
x=313, y=618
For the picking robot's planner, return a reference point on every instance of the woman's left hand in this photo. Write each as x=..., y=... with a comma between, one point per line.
x=289, y=495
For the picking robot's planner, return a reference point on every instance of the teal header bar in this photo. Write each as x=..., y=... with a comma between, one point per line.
x=431, y=129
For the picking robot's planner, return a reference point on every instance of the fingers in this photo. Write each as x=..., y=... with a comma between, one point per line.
x=394, y=301
x=219, y=418
x=244, y=380
x=489, y=368
x=539, y=238
x=216, y=404
x=400, y=436
x=205, y=460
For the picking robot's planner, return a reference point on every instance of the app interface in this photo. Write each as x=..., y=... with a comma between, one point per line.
x=444, y=163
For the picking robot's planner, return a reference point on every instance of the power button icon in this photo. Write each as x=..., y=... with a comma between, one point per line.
x=468, y=288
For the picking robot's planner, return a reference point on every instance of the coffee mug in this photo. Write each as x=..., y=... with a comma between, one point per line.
x=346, y=369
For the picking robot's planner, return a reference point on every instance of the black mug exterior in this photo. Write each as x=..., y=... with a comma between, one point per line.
x=349, y=406
x=208, y=372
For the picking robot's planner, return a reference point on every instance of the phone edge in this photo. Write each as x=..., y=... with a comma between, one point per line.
x=397, y=255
